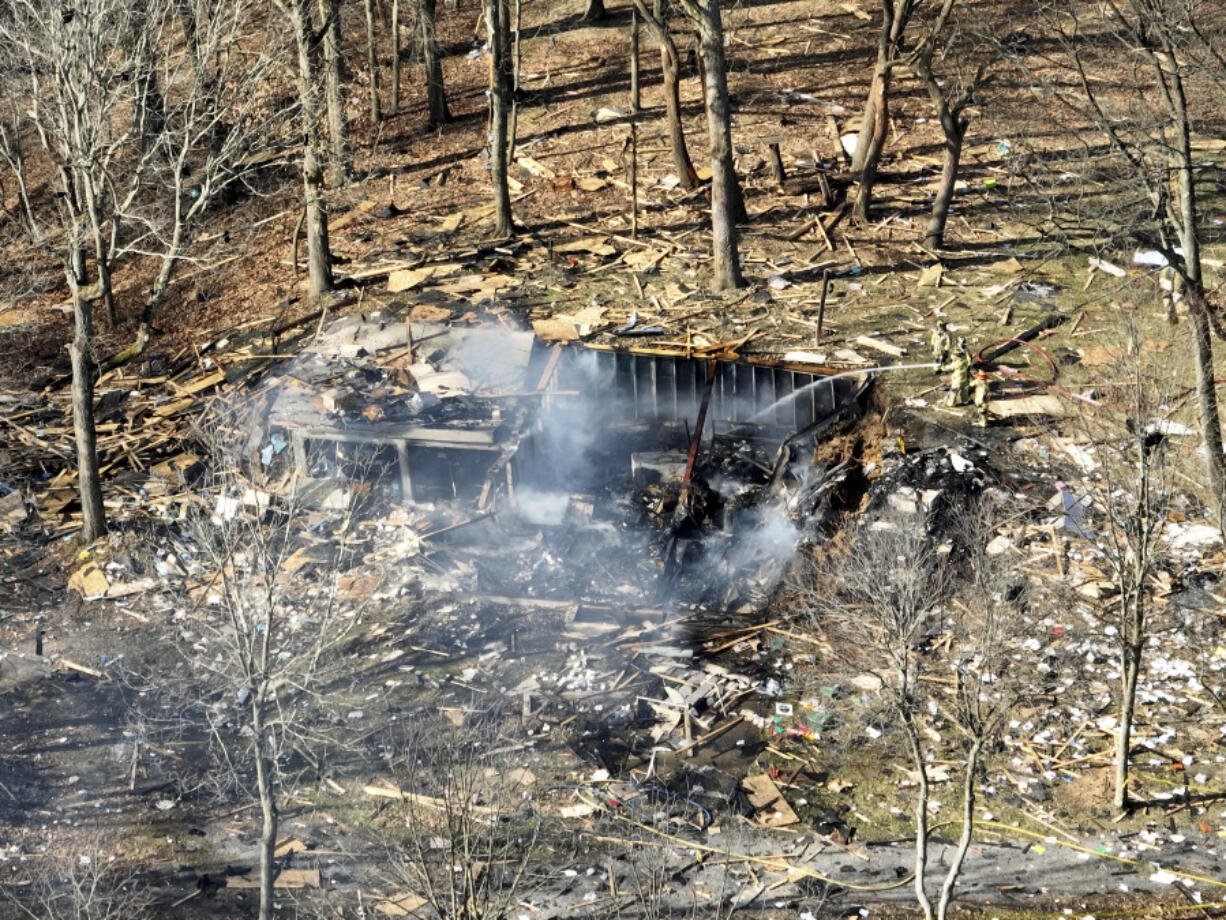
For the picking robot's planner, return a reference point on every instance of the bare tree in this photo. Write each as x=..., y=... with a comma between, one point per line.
x=426, y=41
x=984, y=691
x=212, y=127
x=468, y=823
x=84, y=884
x=670, y=70
x=882, y=602
x=972, y=56
x=339, y=155
x=319, y=257
x=727, y=204
x=498, y=26
x=265, y=650
x=89, y=122
x=594, y=11
x=1130, y=494
x=372, y=63
x=890, y=592
x=896, y=15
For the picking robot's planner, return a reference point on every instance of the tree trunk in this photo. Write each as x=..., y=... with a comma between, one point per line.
x=268, y=829
x=157, y=293
x=1202, y=343
x=911, y=730
x=595, y=11
x=498, y=25
x=954, y=129
x=968, y=828
x=338, y=124
x=395, y=57
x=513, y=131
x=878, y=90
x=868, y=121
x=670, y=67
x=93, y=515
x=102, y=254
x=871, y=141
x=318, y=254
x=436, y=97
x=635, y=96
x=106, y=291
x=153, y=107
x=372, y=60
x=726, y=201
x=872, y=151
x=14, y=155
x=934, y=235
x=1131, y=654
x=149, y=106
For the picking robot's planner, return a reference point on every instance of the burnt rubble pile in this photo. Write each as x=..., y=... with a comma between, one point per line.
x=568, y=475
x=560, y=521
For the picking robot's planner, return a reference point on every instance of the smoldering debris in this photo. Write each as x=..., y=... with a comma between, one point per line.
x=596, y=475
x=519, y=497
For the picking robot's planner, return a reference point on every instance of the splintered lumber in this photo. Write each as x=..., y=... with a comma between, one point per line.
x=382, y=271
x=286, y=878
x=400, y=795
x=1104, y=266
x=399, y=905
x=174, y=407
x=73, y=666
x=550, y=367
x=1043, y=404
x=198, y=385
x=878, y=345
x=823, y=224
x=710, y=736
x=772, y=808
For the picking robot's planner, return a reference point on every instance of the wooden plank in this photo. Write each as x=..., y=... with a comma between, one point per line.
x=878, y=345
x=199, y=384
x=286, y=878
x=401, y=795
x=773, y=809
x=390, y=433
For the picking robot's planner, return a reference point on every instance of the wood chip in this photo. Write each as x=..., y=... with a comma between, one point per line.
x=1028, y=405
x=89, y=582
x=288, y=846
x=773, y=809
x=931, y=276
x=361, y=209
x=878, y=345
x=286, y=878
x=555, y=329
x=399, y=905
x=597, y=245
x=535, y=168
